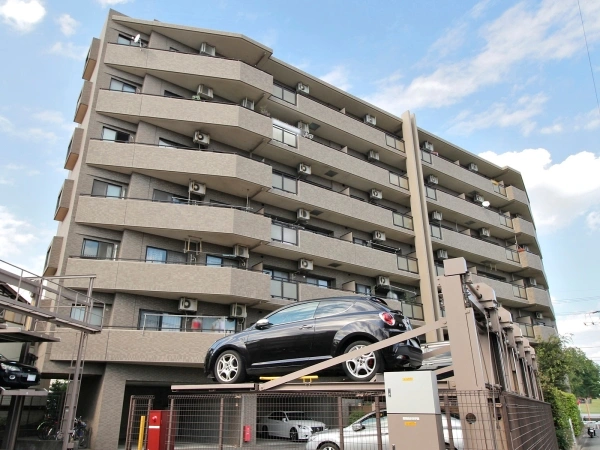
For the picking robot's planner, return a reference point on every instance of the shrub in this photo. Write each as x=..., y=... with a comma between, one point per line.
x=564, y=407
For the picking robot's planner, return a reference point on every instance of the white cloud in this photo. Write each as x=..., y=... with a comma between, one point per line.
x=31, y=134
x=588, y=121
x=15, y=234
x=50, y=116
x=559, y=192
x=106, y=3
x=593, y=220
x=552, y=129
x=21, y=168
x=67, y=24
x=69, y=50
x=521, y=35
x=4, y=181
x=22, y=15
x=500, y=115
x=338, y=77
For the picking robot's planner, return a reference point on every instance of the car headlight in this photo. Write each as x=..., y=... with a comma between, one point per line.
x=304, y=427
x=9, y=368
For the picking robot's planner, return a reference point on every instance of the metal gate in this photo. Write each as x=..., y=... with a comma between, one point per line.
x=139, y=406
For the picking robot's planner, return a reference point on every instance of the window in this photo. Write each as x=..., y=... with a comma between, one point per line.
x=162, y=196
x=398, y=180
x=320, y=282
x=116, y=85
x=499, y=188
x=430, y=192
x=94, y=318
x=439, y=270
x=162, y=256
x=363, y=289
x=128, y=40
x=505, y=220
x=173, y=95
x=331, y=308
x=519, y=291
x=58, y=200
x=426, y=156
x=285, y=94
x=284, y=233
x=360, y=241
x=436, y=231
x=166, y=143
x=104, y=189
x=408, y=264
x=108, y=134
x=285, y=183
x=303, y=311
x=400, y=220
x=284, y=136
x=158, y=321
x=97, y=249
x=280, y=286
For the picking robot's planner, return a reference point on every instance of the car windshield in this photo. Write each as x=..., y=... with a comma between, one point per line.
x=295, y=415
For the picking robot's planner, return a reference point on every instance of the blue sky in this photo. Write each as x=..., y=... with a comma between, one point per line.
x=509, y=80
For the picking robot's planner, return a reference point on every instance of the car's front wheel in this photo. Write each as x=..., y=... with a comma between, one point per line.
x=293, y=435
x=363, y=367
x=328, y=446
x=229, y=368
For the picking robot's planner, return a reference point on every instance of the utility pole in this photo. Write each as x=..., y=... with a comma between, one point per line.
x=592, y=318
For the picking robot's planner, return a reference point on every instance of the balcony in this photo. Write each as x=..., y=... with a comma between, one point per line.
x=83, y=102
x=74, y=148
x=350, y=257
x=228, y=123
x=349, y=170
x=64, y=200
x=53, y=256
x=517, y=195
x=220, y=225
x=340, y=208
x=223, y=285
x=225, y=172
x=532, y=262
x=91, y=59
x=539, y=297
x=310, y=292
x=139, y=346
x=543, y=333
x=508, y=294
x=229, y=78
x=524, y=227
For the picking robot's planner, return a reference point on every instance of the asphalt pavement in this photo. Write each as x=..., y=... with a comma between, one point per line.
x=586, y=442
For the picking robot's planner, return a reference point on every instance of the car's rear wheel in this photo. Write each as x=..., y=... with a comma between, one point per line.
x=264, y=431
x=293, y=435
x=229, y=368
x=328, y=446
x=363, y=367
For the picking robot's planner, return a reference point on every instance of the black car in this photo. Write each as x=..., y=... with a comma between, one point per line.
x=13, y=374
x=309, y=332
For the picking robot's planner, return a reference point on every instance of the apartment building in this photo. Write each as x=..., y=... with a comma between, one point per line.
x=210, y=183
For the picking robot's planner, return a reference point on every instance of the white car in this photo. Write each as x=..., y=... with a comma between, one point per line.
x=289, y=424
x=362, y=435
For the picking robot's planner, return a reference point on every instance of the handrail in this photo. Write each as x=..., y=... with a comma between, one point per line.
x=181, y=201
x=226, y=263
x=195, y=323
x=446, y=227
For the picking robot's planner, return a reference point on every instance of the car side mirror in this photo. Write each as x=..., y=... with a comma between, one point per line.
x=357, y=427
x=262, y=324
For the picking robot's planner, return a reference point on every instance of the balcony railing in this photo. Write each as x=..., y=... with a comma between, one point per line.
x=408, y=264
x=527, y=330
x=519, y=291
x=186, y=323
x=285, y=289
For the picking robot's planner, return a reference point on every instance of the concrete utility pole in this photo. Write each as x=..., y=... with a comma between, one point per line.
x=592, y=318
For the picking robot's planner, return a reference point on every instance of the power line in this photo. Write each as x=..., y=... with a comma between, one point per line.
x=589, y=57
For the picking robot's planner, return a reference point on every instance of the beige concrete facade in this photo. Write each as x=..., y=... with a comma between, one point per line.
x=158, y=216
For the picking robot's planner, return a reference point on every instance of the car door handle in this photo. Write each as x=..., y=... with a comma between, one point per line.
x=304, y=327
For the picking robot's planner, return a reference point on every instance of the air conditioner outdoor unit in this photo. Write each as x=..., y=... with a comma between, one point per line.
x=378, y=236
x=197, y=188
x=371, y=120
x=373, y=155
x=436, y=215
x=477, y=198
x=303, y=88
x=207, y=49
x=427, y=146
x=188, y=304
x=201, y=138
x=305, y=264
x=375, y=194
x=484, y=232
x=383, y=281
x=238, y=311
x=241, y=251
x=532, y=281
x=441, y=254
x=539, y=315
x=473, y=167
x=518, y=216
x=204, y=91
x=302, y=214
x=304, y=169
x=246, y=103
x=525, y=247
x=303, y=127
x=432, y=179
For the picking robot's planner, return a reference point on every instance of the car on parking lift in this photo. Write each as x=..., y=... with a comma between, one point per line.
x=289, y=424
x=313, y=331
x=362, y=435
x=13, y=374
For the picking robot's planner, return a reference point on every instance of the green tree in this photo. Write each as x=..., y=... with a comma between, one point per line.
x=584, y=374
x=55, y=399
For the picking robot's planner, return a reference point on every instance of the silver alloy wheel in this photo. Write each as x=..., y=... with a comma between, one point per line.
x=227, y=367
x=362, y=366
x=329, y=447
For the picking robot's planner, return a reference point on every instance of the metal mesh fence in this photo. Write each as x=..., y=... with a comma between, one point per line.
x=139, y=406
x=345, y=420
